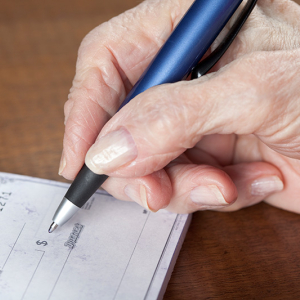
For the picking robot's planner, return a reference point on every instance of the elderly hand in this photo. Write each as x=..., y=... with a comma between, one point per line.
x=225, y=141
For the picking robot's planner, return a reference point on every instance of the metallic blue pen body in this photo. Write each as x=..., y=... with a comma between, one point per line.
x=187, y=44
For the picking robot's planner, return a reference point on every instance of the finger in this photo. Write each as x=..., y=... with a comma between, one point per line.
x=255, y=182
x=235, y=187
x=199, y=187
x=110, y=60
x=243, y=98
x=153, y=191
x=249, y=148
x=288, y=198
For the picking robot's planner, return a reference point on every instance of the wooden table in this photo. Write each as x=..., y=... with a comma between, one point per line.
x=249, y=254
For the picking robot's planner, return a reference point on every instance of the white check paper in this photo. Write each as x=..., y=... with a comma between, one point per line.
x=110, y=250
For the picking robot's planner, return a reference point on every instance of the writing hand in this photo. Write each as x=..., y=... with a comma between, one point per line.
x=225, y=141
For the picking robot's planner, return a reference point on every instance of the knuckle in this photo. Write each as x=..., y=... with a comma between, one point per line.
x=92, y=39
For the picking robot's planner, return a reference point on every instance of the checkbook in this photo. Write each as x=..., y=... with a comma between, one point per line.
x=110, y=249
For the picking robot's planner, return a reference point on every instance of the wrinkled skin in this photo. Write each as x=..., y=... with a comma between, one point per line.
x=225, y=141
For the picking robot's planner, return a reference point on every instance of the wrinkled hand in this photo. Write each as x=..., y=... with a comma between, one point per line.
x=225, y=141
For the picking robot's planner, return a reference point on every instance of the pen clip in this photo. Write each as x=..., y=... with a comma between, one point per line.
x=206, y=64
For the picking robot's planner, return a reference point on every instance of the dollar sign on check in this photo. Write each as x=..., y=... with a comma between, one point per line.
x=44, y=243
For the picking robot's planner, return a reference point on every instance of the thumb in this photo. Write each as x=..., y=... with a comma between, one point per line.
x=248, y=96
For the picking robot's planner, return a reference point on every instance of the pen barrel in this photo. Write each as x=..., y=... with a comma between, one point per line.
x=187, y=44
x=84, y=186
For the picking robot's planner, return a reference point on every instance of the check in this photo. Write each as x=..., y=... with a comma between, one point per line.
x=110, y=250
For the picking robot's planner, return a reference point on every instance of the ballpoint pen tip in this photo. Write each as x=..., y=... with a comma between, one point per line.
x=52, y=227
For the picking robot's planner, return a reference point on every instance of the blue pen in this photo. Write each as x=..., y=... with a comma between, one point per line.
x=175, y=60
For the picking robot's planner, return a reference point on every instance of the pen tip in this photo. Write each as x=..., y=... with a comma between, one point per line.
x=52, y=227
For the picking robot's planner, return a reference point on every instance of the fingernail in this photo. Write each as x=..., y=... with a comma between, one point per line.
x=266, y=185
x=208, y=195
x=111, y=151
x=62, y=164
x=138, y=194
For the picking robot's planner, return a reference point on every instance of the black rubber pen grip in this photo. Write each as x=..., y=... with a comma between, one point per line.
x=84, y=186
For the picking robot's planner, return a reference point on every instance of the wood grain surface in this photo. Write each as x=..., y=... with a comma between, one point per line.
x=249, y=254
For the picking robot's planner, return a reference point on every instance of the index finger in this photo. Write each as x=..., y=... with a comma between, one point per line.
x=110, y=60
